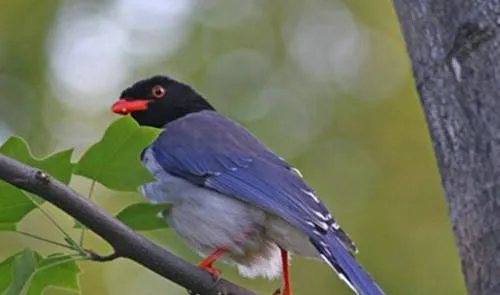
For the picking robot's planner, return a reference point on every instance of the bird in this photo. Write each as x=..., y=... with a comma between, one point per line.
x=231, y=198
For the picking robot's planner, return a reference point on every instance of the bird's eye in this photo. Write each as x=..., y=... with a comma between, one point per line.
x=158, y=91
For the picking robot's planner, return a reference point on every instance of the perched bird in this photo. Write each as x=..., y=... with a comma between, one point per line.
x=232, y=198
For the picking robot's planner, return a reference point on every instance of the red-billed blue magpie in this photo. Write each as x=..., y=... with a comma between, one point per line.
x=232, y=198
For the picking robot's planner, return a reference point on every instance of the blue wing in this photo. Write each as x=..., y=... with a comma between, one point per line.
x=215, y=152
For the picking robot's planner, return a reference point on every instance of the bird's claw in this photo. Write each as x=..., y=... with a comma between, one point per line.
x=215, y=272
x=207, y=263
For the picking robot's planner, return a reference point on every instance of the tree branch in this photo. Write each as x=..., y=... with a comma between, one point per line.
x=126, y=242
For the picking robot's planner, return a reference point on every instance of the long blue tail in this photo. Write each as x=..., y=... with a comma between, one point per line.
x=346, y=266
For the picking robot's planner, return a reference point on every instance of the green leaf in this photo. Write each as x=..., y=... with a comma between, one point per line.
x=58, y=165
x=23, y=267
x=14, y=203
x=57, y=270
x=6, y=273
x=114, y=160
x=144, y=216
x=29, y=273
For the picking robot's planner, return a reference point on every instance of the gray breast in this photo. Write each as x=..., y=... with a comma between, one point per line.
x=207, y=220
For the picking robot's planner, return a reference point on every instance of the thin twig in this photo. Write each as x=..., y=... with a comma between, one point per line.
x=91, y=192
x=45, y=240
x=53, y=221
x=96, y=257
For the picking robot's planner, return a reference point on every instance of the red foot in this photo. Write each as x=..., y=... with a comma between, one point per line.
x=206, y=264
x=215, y=272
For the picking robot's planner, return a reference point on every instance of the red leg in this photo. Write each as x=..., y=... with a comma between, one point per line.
x=286, y=272
x=287, y=288
x=206, y=263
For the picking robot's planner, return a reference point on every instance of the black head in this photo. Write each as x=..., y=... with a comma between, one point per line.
x=159, y=100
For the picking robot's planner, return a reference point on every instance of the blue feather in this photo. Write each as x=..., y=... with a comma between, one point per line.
x=346, y=266
x=212, y=151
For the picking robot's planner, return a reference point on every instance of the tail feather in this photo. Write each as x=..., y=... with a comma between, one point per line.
x=346, y=266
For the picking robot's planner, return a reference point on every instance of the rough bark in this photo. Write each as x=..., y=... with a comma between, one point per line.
x=454, y=50
x=125, y=242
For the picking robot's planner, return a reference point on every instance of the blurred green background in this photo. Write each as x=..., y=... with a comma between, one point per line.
x=326, y=84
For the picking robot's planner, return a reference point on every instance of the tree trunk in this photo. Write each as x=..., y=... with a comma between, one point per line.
x=454, y=50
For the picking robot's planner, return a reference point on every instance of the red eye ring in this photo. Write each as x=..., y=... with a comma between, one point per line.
x=158, y=91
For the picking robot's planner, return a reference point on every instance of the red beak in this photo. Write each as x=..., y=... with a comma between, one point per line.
x=124, y=107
